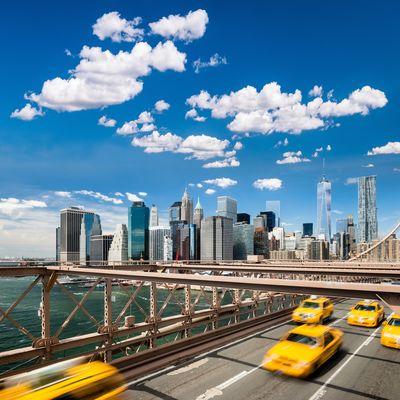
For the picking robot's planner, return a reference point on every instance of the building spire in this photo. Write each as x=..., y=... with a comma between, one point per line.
x=198, y=205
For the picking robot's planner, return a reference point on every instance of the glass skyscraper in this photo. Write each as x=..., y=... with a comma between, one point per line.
x=324, y=190
x=227, y=207
x=138, y=231
x=367, y=211
x=90, y=226
x=275, y=207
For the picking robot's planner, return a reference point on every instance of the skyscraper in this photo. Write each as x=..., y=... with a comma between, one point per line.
x=216, y=239
x=99, y=247
x=70, y=235
x=275, y=207
x=153, y=216
x=243, y=240
x=118, y=252
x=269, y=220
x=138, y=231
x=324, y=209
x=167, y=255
x=308, y=229
x=188, y=242
x=58, y=243
x=227, y=207
x=367, y=211
x=176, y=227
x=197, y=219
x=175, y=211
x=157, y=235
x=90, y=226
x=187, y=208
x=243, y=217
x=351, y=230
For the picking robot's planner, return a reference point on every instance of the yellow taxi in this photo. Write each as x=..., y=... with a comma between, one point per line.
x=390, y=335
x=303, y=349
x=367, y=313
x=66, y=380
x=314, y=310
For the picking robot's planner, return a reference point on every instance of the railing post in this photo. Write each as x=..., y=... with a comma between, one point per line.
x=108, y=320
x=188, y=312
x=153, y=313
x=215, y=306
x=45, y=316
x=236, y=301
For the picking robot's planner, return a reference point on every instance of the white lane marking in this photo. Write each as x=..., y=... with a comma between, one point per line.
x=136, y=381
x=217, y=390
x=336, y=321
x=189, y=367
x=322, y=390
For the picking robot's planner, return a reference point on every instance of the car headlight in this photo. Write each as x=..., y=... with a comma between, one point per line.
x=310, y=315
x=390, y=335
x=302, y=364
x=270, y=357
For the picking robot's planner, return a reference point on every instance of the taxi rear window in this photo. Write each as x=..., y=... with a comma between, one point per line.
x=364, y=307
x=394, y=322
x=298, y=338
x=310, y=304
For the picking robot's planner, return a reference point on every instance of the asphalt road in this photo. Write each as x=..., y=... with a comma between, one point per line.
x=363, y=369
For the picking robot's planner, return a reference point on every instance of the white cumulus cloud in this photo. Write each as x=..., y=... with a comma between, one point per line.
x=133, y=197
x=227, y=162
x=62, y=193
x=193, y=114
x=118, y=29
x=128, y=128
x=107, y=122
x=158, y=143
x=316, y=91
x=214, y=61
x=27, y=113
x=102, y=78
x=272, y=110
x=99, y=196
x=292, y=157
x=351, y=181
x=389, y=148
x=268, y=184
x=209, y=191
x=161, y=106
x=12, y=206
x=221, y=182
x=189, y=27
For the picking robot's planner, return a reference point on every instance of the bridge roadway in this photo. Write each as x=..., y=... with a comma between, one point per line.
x=363, y=369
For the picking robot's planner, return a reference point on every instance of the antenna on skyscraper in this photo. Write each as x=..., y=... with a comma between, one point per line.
x=323, y=167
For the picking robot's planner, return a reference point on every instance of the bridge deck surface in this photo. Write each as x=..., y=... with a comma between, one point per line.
x=362, y=370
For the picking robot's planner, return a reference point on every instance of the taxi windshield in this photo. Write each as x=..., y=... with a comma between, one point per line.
x=364, y=307
x=394, y=322
x=310, y=304
x=303, y=339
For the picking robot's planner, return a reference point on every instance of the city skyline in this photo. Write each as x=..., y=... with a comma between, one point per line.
x=58, y=152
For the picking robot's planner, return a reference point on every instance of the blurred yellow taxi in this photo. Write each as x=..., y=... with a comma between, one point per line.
x=367, y=313
x=303, y=349
x=66, y=380
x=314, y=310
x=390, y=335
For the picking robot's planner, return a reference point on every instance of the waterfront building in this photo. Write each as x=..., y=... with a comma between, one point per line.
x=167, y=254
x=243, y=217
x=157, y=235
x=269, y=220
x=283, y=255
x=275, y=207
x=308, y=229
x=342, y=240
x=188, y=241
x=227, y=207
x=90, y=226
x=118, y=252
x=197, y=219
x=138, y=231
x=324, y=189
x=259, y=222
x=187, y=208
x=389, y=250
x=153, y=216
x=175, y=211
x=99, y=248
x=70, y=233
x=58, y=243
x=243, y=240
x=261, y=243
x=216, y=239
x=290, y=242
x=279, y=234
x=175, y=229
x=351, y=230
x=367, y=211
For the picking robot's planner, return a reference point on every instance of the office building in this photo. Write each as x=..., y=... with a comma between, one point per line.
x=187, y=208
x=58, y=243
x=188, y=242
x=90, y=226
x=216, y=239
x=175, y=211
x=324, y=189
x=167, y=254
x=269, y=220
x=197, y=219
x=154, y=216
x=118, y=252
x=70, y=233
x=342, y=240
x=227, y=207
x=259, y=222
x=243, y=217
x=279, y=234
x=138, y=231
x=243, y=240
x=261, y=244
x=318, y=250
x=275, y=207
x=99, y=248
x=389, y=250
x=308, y=229
x=175, y=229
x=351, y=230
x=157, y=235
x=367, y=211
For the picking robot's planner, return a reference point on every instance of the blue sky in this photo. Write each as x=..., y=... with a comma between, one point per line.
x=348, y=50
